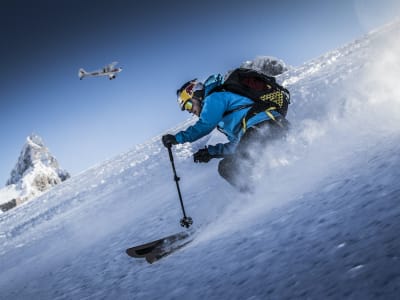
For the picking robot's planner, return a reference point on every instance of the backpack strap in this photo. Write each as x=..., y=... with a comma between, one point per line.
x=268, y=112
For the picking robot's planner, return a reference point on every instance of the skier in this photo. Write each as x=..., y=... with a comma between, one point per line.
x=226, y=111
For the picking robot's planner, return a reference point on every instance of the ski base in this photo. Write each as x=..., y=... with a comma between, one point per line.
x=155, y=250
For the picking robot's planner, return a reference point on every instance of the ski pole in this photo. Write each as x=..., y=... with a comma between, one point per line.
x=185, y=221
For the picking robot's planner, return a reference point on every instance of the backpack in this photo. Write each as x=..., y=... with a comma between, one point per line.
x=266, y=93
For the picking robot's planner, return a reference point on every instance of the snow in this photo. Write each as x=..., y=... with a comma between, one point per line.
x=323, y=222
x=7, y=193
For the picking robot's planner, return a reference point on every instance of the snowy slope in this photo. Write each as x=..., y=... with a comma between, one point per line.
x=323, y=223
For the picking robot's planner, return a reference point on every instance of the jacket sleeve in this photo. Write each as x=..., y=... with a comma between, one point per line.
x=212, y=112
x=221, y=150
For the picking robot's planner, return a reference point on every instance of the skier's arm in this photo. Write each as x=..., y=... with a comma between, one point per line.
x=212, y=112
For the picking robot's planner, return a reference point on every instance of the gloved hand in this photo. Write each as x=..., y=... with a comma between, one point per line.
x=169, y=140
x=202, y=156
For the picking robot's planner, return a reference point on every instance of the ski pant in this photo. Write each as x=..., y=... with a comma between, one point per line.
x=237, y=168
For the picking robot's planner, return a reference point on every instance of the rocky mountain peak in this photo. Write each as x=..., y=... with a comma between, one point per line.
x=36, y=169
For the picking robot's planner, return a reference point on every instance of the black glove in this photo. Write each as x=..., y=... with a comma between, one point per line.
x=169, y=140
x=202, y=156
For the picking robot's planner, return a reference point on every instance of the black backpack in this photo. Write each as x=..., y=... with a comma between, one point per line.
x=266, y=93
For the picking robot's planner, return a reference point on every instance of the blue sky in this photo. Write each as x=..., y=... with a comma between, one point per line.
x=160, y=45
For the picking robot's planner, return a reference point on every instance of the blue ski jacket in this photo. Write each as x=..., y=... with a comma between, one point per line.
x=213, y=115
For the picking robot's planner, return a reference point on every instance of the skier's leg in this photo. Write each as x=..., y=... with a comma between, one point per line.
x=232, y=169
x=237, y=168
x=226, y=169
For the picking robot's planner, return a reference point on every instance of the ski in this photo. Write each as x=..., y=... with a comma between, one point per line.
x=155, y=250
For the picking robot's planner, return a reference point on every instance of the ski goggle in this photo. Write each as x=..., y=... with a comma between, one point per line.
x=188, y=105
x=186, y=94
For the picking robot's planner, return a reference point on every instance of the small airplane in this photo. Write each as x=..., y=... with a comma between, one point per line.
x=109, y=70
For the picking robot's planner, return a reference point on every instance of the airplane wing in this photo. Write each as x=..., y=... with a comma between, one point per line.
x=109, y=67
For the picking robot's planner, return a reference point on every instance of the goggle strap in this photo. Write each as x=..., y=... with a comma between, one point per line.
x=199, y=94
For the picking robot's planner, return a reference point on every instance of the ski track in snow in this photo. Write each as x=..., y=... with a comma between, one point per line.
x=322, y=224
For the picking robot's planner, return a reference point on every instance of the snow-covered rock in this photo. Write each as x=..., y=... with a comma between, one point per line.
x=8, y=197
x=268, y=65
x=36, y=171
